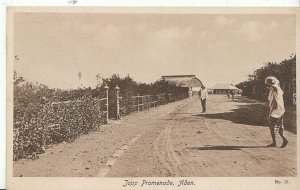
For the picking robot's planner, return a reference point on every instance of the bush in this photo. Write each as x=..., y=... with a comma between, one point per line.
x=44, y=116
x=39, y=125
x=285, y=72
x=160, y=91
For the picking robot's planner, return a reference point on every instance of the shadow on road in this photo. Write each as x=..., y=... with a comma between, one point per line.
x=242, y=99
x=250, y=112
x=221, y=147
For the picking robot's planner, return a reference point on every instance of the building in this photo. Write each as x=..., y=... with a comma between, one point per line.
x=223, y=89
x=190, y=81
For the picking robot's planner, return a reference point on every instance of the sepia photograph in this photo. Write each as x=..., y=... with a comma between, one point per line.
x=137, y=95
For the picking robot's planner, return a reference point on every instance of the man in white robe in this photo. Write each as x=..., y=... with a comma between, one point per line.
x=276, y=105
x=203, y=97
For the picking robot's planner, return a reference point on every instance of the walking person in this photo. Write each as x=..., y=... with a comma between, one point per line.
x=232, y=94
x=190, y=92
x=203, y=96
x=276, y=105
x=227, y=93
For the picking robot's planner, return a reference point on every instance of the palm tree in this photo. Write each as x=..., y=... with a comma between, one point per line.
x=79, y=79
x=98, y=77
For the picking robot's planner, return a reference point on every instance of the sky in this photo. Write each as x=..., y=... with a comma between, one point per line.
x=52, y=48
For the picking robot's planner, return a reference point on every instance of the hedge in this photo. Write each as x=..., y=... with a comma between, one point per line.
x=39, y=125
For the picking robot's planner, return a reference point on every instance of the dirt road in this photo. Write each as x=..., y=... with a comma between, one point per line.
x=174, y=140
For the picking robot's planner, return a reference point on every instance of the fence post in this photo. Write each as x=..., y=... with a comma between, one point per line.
x=106, y=88
x=138, y=105
x=118, y=102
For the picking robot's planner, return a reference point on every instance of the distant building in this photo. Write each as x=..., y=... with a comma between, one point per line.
x=223, y=89
x=190, y=81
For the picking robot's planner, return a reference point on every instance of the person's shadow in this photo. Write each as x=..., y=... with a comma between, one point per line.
x=223, y=147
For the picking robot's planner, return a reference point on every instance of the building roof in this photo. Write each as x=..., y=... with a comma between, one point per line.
x=223, y=87
x=183, y=80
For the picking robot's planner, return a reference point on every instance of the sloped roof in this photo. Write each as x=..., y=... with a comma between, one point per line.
x=183, y=80
x=223, y=87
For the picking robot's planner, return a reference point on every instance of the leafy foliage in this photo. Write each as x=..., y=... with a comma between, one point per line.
x=44, y=116
x=284, y=71
x=38, y=125
x=160, y=91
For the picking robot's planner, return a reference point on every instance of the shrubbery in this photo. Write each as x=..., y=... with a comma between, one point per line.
x=44, y=116
x=284, y=71
x=159, y=91
x=38, y=125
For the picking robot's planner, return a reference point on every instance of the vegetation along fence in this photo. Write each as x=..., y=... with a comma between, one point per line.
x=63, y=116
x=285, y=71
x=39, y=125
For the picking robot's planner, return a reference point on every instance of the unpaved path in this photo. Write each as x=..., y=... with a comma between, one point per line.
x=174, y=140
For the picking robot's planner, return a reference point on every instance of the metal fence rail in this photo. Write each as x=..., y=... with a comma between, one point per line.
x=145, y=102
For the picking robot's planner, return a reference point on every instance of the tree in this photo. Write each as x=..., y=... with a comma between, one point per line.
x=99, y=82
x=285, y=71
x=79, y=79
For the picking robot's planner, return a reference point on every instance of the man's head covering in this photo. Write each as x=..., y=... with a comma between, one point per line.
x=275, y=94
x=273, y=81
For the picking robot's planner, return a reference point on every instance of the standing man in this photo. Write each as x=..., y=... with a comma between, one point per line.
x=232, y=94
x=227, y=93
x=203, y=96
x=190, y=92
x=276, y=105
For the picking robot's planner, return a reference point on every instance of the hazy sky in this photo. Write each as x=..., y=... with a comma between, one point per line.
x=53, y=47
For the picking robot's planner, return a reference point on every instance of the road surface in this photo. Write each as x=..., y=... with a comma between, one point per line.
x=173, y=140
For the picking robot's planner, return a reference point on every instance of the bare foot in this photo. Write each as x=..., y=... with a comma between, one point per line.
x=285, y=142
x=272, y=145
